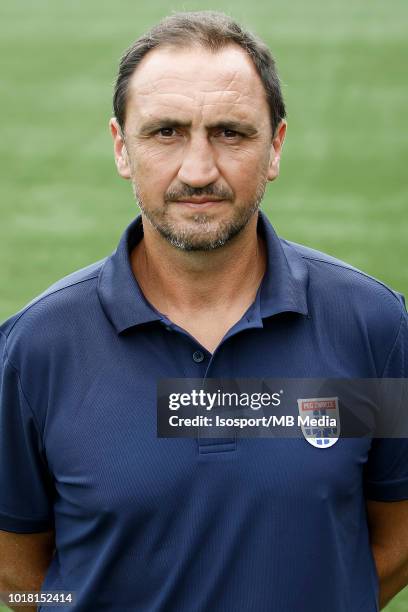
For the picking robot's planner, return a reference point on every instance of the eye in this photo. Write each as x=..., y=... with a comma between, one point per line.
x=166, y=132
x=230, y=133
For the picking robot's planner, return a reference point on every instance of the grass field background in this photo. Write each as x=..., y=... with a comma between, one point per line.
x=343, y=186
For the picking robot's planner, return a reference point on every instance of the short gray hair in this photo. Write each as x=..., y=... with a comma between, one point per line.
x=211, y=30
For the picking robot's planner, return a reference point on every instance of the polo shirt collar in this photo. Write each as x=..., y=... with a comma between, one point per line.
x=285, y=283
x=120, y=295
x=283, y=289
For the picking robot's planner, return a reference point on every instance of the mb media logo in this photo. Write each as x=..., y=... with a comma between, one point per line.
x=320, y=420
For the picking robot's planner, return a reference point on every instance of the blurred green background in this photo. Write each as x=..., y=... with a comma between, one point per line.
x=343, y=184
x=342, y=187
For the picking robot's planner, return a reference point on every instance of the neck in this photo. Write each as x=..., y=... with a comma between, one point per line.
x=185, y=281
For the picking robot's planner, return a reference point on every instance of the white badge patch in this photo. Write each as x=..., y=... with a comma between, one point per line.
x=319, y=419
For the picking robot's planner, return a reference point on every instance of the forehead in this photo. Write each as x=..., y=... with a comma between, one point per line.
x=192, y=80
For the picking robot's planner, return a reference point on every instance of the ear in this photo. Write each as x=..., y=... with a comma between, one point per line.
x=119, y=146
x=276, y=149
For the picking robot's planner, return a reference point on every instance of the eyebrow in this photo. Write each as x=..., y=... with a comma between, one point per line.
x=166, y=122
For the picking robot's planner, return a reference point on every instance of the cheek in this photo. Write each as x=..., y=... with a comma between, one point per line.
x=243, y=170
x=152, y=159
x=152, y=170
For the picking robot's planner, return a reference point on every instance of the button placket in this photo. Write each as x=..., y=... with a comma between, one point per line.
x=210, y=446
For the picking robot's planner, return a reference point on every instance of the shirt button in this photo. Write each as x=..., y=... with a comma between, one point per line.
x=198, y=356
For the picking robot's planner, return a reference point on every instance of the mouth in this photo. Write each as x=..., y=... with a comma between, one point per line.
x=200, y=202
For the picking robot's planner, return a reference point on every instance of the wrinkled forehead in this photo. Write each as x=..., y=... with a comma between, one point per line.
x=198, y=77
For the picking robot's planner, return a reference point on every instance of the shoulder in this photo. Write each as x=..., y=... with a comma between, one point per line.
x=333, y=278
x=70, y=299
x=355, y=309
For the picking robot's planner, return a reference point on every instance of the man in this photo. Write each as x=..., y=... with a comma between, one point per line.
x=200, y=286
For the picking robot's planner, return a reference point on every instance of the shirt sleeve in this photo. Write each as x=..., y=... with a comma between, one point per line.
x=386, y=474
x=25, y=483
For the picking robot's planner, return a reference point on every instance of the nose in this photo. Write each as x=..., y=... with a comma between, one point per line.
x=198, y=167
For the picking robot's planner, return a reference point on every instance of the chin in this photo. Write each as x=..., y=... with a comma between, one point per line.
x=204, y=239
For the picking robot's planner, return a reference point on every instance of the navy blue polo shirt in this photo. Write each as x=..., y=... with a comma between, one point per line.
x=151, y=524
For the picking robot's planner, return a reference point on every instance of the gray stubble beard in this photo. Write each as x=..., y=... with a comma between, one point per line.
x=186, y=240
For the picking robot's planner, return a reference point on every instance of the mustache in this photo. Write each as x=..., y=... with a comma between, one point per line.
x=172, y=195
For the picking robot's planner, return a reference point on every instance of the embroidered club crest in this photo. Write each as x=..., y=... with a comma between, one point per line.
x=319, y=420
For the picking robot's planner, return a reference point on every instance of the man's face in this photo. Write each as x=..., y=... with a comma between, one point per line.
x=197, y=143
